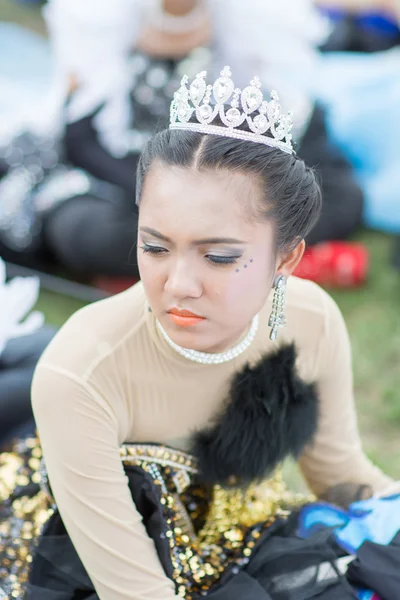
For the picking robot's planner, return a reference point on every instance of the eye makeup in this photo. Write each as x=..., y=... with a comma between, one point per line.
x=246, y=265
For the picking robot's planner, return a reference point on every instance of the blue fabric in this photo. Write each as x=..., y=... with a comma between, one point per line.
x=362, y=95
x=366, y=595
x=25, y=70
x=319, y=515
x=368, y=20
x=375, y=519
x=379, y=23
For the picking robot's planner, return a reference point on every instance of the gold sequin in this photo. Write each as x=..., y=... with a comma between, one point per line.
x=205, y=529
x=24, y=515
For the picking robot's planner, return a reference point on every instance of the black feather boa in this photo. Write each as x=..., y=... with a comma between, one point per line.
x=270, y=414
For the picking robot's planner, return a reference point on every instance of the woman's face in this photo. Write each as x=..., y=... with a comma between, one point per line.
x=198, y=251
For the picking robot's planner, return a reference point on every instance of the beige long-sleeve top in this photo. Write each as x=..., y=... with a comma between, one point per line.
x=108, y=377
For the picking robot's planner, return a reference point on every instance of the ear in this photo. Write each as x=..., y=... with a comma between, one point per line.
x=287, y=263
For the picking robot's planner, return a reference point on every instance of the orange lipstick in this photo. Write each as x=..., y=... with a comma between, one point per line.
x=184, y=318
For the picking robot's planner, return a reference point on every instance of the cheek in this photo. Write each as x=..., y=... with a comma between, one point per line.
x=150, y=275
x=244, y=287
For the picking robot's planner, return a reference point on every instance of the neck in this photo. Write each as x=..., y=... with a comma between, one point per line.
x=229, y=343
x=213, y=357
x=179, y=8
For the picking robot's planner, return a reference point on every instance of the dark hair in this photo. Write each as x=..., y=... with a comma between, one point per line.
x=290, y=190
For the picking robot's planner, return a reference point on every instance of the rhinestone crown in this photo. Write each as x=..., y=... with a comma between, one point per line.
x=266, y=123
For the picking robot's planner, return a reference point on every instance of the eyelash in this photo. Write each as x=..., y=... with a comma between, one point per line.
x=214, y=260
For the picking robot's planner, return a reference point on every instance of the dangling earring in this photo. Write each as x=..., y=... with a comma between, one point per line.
x=277, y=318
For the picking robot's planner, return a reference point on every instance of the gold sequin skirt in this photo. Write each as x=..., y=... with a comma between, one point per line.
x=204, y=530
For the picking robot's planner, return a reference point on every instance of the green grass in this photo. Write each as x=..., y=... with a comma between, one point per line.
x=373, y=318
x=57, y=308
x=26, y=15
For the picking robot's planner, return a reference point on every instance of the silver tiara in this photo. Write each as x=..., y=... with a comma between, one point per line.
x=263, y=117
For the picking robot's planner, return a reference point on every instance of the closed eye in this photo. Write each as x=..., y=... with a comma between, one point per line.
x=213, y=259
x=222, y=260
x=153, y=249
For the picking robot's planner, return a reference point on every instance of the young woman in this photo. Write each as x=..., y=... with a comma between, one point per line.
x=185, y=378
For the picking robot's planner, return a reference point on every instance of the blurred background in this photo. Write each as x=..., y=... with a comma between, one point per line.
x=83, y=86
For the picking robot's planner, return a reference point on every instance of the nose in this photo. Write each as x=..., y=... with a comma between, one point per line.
x=183, y=281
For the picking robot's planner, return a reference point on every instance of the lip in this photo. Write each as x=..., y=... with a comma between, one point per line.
x=184, y=318
x=180, y=312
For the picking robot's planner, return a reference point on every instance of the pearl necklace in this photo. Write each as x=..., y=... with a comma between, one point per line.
x=209, y=358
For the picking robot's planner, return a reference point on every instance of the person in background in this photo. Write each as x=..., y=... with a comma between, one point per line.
x=21, y=345
x=117, y=66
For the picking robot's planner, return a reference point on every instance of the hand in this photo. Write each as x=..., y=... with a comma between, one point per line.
x=392, y=490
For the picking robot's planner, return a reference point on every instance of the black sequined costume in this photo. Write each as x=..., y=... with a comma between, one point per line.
x=210, y=541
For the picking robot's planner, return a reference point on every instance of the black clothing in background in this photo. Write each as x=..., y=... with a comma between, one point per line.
x=377, y=568
x=342, y=207
x=17, y=364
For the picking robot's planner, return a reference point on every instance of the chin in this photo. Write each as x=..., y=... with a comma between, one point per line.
x=189, y=337
x=196, y=341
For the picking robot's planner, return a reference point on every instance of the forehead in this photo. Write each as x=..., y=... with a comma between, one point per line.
x=198, y=201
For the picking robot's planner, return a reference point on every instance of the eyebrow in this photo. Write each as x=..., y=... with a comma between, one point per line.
x=212, y=240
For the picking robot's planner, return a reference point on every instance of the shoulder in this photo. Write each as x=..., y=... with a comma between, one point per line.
x=309, y=306
x=97, y=331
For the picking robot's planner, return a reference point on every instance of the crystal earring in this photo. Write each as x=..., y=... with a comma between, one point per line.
x=277, y=318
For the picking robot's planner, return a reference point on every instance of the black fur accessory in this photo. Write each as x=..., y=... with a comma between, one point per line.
x=270, y=414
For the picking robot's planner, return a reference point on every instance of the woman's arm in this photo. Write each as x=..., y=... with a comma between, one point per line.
x=336, y=456
x=80, y=431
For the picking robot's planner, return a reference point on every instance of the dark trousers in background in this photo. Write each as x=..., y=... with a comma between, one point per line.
x=17, y=364
x=342, y=207
x=89, y=235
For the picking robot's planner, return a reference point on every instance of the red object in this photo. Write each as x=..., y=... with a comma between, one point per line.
x=335, y=264
x=114, y=285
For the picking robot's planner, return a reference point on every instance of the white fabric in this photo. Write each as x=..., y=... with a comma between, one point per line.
x=276, y=41
x=17, y=298
x=92, y=40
